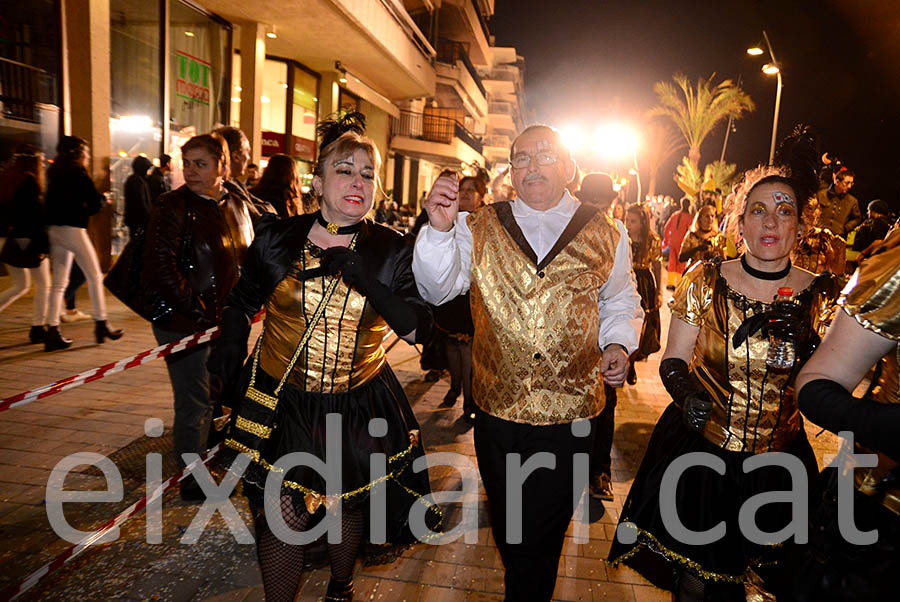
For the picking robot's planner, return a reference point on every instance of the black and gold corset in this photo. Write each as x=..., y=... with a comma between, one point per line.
x=754, y=410
x=344, y=351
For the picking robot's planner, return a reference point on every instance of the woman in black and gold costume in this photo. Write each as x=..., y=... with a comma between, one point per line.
x=646, y=253
x=866, y=332
x=332, y=283
x=728, y=404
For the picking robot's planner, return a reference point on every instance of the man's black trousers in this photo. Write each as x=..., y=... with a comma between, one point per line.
x=546, y=498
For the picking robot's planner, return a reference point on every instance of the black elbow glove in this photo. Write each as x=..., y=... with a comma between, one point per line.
x=399, y=314
x=228, y=354
x=693, y=400
x=832, y=407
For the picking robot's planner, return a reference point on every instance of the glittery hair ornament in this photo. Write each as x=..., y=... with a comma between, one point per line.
x=799, y=156
x=336, y=125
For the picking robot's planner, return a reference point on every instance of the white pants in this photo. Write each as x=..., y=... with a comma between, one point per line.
x=21, y=282
x=66, y=243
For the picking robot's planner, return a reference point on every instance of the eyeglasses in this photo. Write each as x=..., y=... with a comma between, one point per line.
x=523, y=160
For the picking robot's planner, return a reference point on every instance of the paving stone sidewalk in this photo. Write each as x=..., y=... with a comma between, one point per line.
x=107, y=417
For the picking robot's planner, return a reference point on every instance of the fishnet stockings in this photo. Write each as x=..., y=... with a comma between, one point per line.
x=281, y=564
x=343, y=555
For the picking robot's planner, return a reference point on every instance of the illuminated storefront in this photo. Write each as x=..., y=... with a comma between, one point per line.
x=289, y=105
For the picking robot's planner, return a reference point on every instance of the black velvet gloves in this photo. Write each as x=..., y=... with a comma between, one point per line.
x=399, y=314
x=693, y=400
x=228, y=354
x=875, y=425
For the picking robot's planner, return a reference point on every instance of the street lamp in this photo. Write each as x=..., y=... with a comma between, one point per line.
x=770, y=68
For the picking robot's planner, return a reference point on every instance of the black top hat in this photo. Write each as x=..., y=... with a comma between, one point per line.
x=596, y=188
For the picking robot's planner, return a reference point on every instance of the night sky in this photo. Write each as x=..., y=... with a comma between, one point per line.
x=594, y=61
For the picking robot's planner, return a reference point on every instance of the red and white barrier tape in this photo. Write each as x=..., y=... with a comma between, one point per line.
x=17, y=590
x=93, y=374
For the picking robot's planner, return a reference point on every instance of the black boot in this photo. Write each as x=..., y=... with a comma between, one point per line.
x=339, y=591
x=102, y=331
x=37, y=334
x=54, y=340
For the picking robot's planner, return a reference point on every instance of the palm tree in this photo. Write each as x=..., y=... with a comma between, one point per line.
x=661, y=141
x=696, y=112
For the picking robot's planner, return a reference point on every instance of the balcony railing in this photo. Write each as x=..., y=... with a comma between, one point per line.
x=449, y=51
x=22, y=88
x=433, y=128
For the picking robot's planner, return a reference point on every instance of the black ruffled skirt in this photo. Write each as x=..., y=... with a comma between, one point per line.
x=703, y=499
x=299, y=424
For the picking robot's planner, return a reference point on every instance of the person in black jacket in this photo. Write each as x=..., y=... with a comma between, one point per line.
x=71, y=200
x=26, y=248
x=158, y=180
x=196, y=241
x=137, y=196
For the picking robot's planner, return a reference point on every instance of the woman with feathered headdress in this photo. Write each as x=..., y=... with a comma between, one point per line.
x=727, y=403
x=332, y=284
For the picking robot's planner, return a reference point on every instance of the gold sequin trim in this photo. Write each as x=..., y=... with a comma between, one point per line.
x=254, y=394
x=682, y=560
x=254, y=455
x=260, y=430
x=240, y=447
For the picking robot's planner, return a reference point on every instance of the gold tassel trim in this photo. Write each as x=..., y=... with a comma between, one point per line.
x=318, y=498
x=682, y=560
x=260, y=430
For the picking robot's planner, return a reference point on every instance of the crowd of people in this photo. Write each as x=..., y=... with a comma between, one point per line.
x=537, y=343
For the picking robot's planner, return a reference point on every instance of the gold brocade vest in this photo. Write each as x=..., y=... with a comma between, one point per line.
x=535, y=354
x=345, y=349
x=754, y=410
x=872, y=298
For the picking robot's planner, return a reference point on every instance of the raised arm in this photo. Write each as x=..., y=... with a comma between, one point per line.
x=443, y=250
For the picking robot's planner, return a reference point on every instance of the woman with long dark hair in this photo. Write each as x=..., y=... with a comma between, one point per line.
x=646, y=253
x=280, y=186
x=71, y=199
x=728, y=403
x=703, y=241
x=332, y=284
x=26, y=247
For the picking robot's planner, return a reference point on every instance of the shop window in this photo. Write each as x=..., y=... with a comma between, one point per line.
x=200, y=67
x=135, y=124
x=305, y=104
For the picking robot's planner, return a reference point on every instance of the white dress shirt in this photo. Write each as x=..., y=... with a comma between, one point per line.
x=442, y=265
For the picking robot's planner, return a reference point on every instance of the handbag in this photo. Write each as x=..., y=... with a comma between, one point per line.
x=124, y=278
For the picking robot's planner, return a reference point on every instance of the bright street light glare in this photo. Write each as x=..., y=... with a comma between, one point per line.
x=615, y=140
x=770, y=69
x=754, y=51
x=572, y=137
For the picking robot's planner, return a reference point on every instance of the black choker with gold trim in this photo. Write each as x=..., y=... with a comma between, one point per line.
x=334, y=229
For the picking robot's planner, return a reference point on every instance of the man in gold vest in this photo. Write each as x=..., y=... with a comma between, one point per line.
x=556, y=314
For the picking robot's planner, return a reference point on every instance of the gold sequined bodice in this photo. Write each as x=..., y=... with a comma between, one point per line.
x=345, y=349
x=754, y=409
